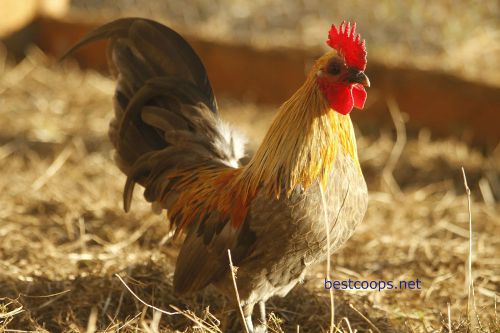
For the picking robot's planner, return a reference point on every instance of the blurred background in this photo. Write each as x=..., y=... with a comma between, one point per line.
x=433, y=107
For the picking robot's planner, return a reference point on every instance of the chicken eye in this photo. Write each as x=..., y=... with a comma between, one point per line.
x=333, y=68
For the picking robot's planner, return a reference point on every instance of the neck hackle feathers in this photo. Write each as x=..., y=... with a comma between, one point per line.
x=349, y=45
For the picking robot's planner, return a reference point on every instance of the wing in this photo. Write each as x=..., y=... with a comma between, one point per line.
x=203, y=257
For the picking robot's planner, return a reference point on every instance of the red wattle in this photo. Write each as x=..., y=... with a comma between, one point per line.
x=340, y=98
x=359, y=95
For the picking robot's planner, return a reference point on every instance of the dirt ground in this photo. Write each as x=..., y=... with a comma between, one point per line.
x=64, y=234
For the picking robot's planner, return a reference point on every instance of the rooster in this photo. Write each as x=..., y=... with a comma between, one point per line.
x=270, y=213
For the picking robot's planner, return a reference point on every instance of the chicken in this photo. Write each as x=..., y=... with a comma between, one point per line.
x=270, y=213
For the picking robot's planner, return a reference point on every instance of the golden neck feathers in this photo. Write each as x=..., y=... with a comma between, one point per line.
x=301, y=144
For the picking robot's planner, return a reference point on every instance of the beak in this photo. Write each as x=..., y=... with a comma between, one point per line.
x=355, y=76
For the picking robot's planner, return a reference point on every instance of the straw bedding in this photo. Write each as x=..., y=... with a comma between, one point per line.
x=64, y=234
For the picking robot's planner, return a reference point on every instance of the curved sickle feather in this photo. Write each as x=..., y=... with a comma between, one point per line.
x=174, y=49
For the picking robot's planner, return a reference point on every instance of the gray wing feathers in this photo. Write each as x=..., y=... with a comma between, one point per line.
x=203, y=257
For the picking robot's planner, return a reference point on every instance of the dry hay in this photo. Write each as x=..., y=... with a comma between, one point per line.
x=64, y=235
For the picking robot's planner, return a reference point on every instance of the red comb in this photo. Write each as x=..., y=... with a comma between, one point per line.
x=352, y=48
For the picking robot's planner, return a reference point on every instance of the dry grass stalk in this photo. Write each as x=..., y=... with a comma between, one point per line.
x=328, y=257
x=237, y=294
x=143, y=302
x=397, y=149
x=472, y=313
x=92, y=321
x=449, y=319
x=346, y=320
x=11, y=313
x=365, y=318
x=52, y=169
